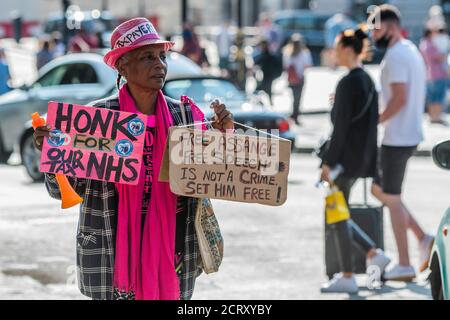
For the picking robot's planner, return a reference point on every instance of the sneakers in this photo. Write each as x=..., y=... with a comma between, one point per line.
x=340, y=284
x=380, y=260
x=425, y=246
x=400, y=273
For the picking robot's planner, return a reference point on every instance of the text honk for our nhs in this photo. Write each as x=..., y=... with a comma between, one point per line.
x=94, y=143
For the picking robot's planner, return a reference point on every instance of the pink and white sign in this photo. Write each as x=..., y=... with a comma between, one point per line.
x=94, y=143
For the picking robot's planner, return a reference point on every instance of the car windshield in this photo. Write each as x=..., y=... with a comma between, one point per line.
x=68, y=74
x=204, y=90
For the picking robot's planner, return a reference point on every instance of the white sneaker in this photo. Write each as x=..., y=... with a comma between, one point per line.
x=400, y=273
x=380, y=260
x=425, y=247
x=340, y=284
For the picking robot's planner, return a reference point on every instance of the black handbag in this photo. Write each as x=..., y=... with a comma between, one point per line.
x=324, y=145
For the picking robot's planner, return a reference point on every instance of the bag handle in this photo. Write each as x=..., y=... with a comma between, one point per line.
x=366, y=151
x=366, y=106
x=365, y=191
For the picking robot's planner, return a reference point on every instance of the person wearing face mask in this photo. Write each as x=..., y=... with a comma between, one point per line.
x=403, y=92
x=434, y=48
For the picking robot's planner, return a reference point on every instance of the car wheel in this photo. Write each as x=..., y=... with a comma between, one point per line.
x=4, y=156
x=31, y=158
x=435, y=280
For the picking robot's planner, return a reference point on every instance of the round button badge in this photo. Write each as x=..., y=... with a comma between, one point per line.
x=136, y=127
x=124, y=148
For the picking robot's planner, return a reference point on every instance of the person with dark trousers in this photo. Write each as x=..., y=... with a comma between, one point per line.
x=269, y=64
x=296, y=60
x=353, y=145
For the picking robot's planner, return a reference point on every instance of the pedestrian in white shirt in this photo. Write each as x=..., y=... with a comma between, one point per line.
x=403, y=92
x=296, y=59
x=224, y=42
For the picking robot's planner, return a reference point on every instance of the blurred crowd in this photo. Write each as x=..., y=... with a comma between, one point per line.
x=269, y=56
x=53, y=46
x=266, y=55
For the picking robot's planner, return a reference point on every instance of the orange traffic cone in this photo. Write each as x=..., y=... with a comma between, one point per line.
x=69, y=197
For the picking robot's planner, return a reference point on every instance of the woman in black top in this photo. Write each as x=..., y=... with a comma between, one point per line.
x=353, y=145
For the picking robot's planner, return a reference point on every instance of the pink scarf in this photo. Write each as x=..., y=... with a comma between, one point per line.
x=148, y=271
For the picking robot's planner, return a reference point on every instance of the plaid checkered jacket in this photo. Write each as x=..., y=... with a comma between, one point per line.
x=97, y=225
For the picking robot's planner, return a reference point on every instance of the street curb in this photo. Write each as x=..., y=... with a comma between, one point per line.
x=306, y=150
x=303, y=150
x=422, y=153
x=313, y=113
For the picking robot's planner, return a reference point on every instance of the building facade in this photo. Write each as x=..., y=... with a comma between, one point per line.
x=208, y=13
x=200, y=12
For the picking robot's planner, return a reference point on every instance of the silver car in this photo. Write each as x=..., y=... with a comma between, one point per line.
x=76, y=78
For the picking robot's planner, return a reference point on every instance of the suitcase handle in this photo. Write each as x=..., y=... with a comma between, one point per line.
x=365, y=191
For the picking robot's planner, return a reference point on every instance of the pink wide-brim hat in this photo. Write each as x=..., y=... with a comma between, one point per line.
x=130, y=35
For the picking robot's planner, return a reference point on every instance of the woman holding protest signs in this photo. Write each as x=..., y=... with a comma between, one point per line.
x=138, y=242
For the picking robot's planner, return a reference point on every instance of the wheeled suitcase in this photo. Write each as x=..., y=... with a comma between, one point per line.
x=370, y=220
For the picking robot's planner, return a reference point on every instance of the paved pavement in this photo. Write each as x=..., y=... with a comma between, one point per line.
x=270, y=253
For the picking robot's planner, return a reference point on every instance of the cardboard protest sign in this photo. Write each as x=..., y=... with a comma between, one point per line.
x=94, y=143
x=228, y=166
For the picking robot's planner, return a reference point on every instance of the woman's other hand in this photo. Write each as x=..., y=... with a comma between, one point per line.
x=325, y=175
x=223, y=119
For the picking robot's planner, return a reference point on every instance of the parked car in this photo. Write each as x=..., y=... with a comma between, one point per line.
x=440, y=254
x=76, y=78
